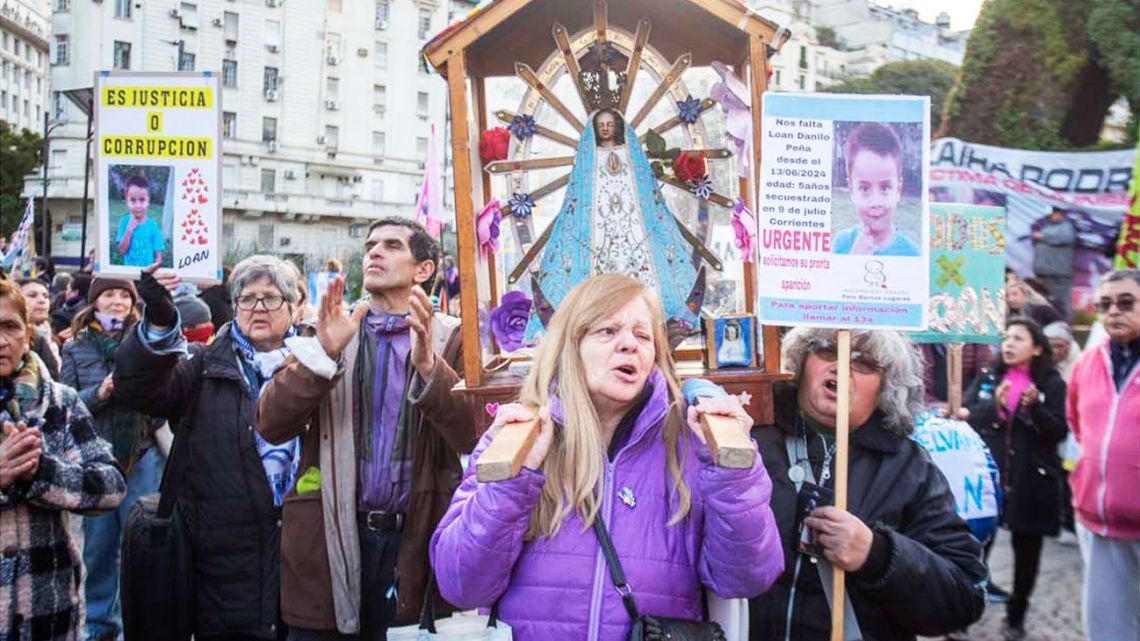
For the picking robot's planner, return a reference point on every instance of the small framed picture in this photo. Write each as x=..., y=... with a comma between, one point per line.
x=730, y=341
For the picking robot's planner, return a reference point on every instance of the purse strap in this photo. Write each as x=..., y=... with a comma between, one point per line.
x=624, y=589
x=427, y=612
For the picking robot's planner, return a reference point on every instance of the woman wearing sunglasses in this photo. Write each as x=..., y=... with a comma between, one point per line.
x=1017, y=405
x=912, y=565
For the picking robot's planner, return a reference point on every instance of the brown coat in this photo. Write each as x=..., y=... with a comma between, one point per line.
x=320, y=547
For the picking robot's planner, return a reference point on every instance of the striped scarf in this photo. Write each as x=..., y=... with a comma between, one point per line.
x=280, y=461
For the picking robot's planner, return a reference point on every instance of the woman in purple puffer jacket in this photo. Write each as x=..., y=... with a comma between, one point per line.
x=613, y=442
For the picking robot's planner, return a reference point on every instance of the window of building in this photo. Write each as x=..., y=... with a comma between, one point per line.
x=39, y=114
x=185, y=60
x=229, y=179
x=379, y=98
x=425, y=23
x=268, y=129
x=27, y=108
x=265, y=231
x=28, y=80
x=421, y=148
x=15, y=104
x=62, y=5
x=803, y=57
x=58, y=159
x=332, y=135
x=39, y=59
x=229, y=124
x=122, y=8
x=378, y=145
x=422, y=103
x=3, y=100
x=230, y=25
x=229, y=73
x=39, y=86
x=332, y=88
x=272, y=34
x=802, y=82
x=62, y=50
x=380, y=58
x=332, y=47
x=6, y=65
x=16, y=42
x=188, y=15
x=777, y=77
x=268, y=181
x=57, y=105
x=269, y=82
x=17, y=76
x=122, y=55
x=382, y=11
x=5, y=40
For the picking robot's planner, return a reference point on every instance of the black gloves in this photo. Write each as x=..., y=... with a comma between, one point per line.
x=160, y=309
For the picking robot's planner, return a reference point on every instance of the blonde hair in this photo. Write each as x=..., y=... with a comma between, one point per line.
x=575, y=464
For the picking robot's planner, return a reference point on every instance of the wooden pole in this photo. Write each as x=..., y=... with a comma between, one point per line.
x=954, y=378
x=464, y=217
x=842, y=420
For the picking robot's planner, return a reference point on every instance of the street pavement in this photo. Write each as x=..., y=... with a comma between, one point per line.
x=1055, y=607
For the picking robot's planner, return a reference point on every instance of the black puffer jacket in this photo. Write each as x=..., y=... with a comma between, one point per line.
x=225, y=500
x=1025, y=449
x=928, y=576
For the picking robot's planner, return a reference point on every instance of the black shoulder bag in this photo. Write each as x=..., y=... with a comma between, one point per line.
x=647, y=627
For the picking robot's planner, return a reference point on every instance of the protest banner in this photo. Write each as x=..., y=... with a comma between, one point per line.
x=1128, y=242
x=967, y=274
x=1090, y=187
x=158, y=162
x=843, y=217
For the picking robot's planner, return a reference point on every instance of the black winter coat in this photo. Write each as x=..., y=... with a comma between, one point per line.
x=225, y=498
x=1025, y=449
x=930, y=580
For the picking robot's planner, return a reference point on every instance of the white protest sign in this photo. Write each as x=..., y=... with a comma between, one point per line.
x=963, y=458
x=158, y=162
x=843, y=217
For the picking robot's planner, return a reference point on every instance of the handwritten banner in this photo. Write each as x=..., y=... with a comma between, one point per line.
x=967, y=274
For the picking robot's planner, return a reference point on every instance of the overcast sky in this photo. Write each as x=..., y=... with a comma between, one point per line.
x=962, y=12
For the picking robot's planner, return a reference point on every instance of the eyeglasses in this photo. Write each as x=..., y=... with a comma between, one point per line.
x=1124, y=304
x=860, y=362
x=270, y=303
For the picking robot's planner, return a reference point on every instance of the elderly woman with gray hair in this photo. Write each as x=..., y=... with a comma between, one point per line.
x=912, y=566
x=232, y=491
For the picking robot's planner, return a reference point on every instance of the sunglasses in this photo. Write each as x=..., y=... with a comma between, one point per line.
x=860, y=362
x=1124, y=304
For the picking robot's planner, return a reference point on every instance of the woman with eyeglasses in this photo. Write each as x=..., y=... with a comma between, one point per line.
x=231, y=494
x=1017, y=405
x=912, y=565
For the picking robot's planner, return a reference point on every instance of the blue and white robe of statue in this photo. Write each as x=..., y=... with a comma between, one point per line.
x=614, y=220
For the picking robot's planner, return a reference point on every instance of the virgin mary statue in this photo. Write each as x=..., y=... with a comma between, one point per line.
x=614, y=220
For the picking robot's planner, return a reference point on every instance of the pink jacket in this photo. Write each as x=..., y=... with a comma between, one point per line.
x=1106, y=423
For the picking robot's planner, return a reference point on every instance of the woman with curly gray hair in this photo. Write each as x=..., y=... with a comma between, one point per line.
x=912, y=566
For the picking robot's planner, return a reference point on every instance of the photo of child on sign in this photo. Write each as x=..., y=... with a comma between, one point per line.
x=141, y=213
x=876, y=189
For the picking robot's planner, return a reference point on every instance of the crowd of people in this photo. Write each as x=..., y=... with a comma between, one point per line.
x=324, y=495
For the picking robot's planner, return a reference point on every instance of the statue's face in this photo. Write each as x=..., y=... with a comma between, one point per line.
x=606, y=126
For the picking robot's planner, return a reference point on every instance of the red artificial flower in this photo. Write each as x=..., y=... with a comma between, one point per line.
x=691, y=166
x=493, y=144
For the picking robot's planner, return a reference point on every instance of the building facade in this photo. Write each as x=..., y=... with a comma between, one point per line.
x=326, y=107
x=24, y=28
x=837, y=40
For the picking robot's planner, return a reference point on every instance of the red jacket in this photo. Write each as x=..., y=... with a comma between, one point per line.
x=1106, y=423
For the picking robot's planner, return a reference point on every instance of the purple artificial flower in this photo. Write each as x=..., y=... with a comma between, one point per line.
x=508, y=320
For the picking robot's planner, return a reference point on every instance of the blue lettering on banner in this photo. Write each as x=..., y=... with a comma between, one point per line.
x=973, y=494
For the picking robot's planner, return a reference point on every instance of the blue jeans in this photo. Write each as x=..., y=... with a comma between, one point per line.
x=102, y=540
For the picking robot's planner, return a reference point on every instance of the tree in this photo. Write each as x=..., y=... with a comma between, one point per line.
x=911, y=77
x=20, y=153
x=1041, y=74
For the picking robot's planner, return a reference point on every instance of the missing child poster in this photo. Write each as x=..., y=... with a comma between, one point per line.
x=843, y=219
x=967, y=274
x=157, y=172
